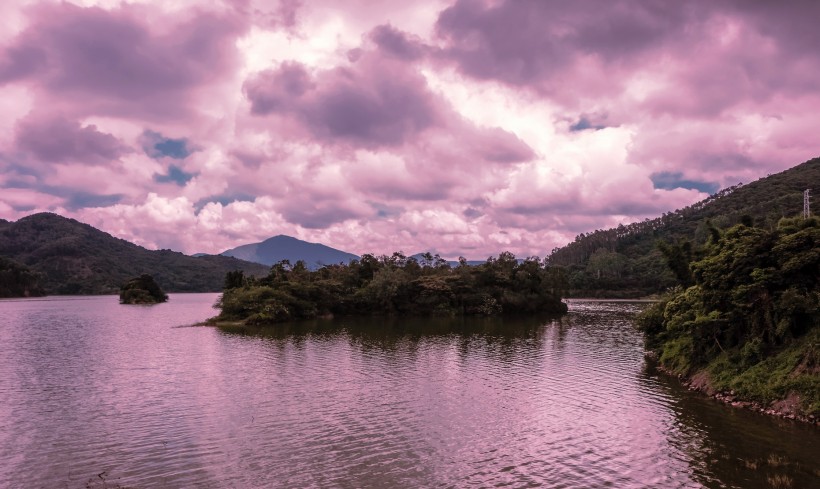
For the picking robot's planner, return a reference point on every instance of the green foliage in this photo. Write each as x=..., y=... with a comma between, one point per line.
x=676, y=353
x=142, y=290
x=794, y=368
x=70, y=257
x=17, y=280
x=391, y=285
x=644, y=268
x=752, y=316
x=678, y=257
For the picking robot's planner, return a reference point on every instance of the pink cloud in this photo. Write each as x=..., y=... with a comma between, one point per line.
x=376, y=102
x=463, y=127
x=116, y=62
x=58, y=139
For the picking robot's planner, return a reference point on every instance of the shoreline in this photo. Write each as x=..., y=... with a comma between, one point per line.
x=787, y=408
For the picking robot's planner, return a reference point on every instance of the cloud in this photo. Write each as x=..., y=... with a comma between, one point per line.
x=465, y=127
x=57, y=139
x=533, y=43
x=118, y=61
x=397, y=43
x=376, y=102
x=79, y=200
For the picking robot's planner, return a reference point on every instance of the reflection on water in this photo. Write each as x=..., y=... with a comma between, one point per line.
x=95, y=393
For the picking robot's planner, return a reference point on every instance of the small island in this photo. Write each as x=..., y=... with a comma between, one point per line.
x=142, y=290
x=393, y=286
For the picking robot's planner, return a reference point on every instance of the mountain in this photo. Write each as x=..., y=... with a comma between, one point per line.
x=74, y=258
x=282, y=247
x=626, y=261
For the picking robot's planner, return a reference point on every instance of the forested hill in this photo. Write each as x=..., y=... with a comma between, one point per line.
x=75, y=258
x=625, y=261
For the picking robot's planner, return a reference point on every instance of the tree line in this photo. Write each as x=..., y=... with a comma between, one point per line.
x=394, y=285
x=625, y=261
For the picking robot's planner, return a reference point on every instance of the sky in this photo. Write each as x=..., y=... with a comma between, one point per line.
x=465, y=128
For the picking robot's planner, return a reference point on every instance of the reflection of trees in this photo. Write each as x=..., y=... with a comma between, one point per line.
x=502, y=337
x=732, y=447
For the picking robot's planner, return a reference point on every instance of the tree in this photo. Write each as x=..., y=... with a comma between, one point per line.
x=142, y=290
x=234, y=279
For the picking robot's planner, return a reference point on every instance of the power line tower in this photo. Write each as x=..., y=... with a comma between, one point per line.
x=806, y=208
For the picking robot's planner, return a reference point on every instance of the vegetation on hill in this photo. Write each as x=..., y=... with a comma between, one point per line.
x=394, y=285
x=625, y=261
x=750, y=320
x=75, y=258
x=17, y=280
x=142, y=290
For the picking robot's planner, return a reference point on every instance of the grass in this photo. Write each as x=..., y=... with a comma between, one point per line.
x=792, y=369
x=779, y=481
x=675, y=354
x=776, y=460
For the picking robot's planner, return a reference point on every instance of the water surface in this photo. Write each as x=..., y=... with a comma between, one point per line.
x=97, y=394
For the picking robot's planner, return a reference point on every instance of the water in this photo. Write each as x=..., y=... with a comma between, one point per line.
x=96, y=394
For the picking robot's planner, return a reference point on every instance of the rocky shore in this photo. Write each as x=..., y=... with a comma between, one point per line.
x=788, y=408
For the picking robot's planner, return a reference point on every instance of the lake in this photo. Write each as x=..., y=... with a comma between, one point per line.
x=97, y=394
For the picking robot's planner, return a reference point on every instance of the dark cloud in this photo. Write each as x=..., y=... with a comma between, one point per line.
x=113, y=61
x=175, y=175
x=277, y=90
x=373, y=103
x=528, y=41
x=396, y=43
x=791, y=25
x=18, y=62
x=57, y=139
x=73, y=199
x=316, y=215
x=23, y=207
x=386, y=112
x=80, y=200
x=471, y=213
x=712, y=56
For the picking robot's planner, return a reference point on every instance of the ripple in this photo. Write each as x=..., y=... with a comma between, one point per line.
x=88, y=386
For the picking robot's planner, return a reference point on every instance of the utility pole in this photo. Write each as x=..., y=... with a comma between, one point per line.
x=806, y=208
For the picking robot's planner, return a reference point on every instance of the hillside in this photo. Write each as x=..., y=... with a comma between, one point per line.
x=74, y=258
x=625, y=261
x=17, y=280
x=281, y=247
x=749, y=323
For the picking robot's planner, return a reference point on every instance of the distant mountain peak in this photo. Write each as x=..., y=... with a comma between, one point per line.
x=284, y=247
